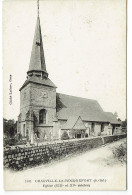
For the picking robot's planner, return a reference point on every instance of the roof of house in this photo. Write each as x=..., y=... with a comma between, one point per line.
x=38, y=80
x=112, y=119
x=88, y=109
x=75, y=123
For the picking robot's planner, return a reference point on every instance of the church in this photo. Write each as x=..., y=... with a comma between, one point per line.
x=45, y=114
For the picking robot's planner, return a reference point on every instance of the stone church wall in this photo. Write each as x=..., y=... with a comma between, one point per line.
x=37, y=97
x=56, y=131
x=107, y=129
x=25, y=98
x=42, y=96
x=97, y=129
x=44, y=133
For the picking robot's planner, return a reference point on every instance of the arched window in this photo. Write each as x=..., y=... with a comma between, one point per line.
x=42, y=116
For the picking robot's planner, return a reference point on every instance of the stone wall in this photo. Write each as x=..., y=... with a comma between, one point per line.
x=97, y=129
x=21, y=158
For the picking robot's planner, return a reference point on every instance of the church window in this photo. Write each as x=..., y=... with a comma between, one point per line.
x=42, y=116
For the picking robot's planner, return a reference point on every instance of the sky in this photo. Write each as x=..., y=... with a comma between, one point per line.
x=84, y=45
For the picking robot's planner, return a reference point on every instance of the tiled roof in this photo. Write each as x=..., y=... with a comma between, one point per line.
x=75, y=123
x=38, y=80
x=111, y=118
x=87, y=109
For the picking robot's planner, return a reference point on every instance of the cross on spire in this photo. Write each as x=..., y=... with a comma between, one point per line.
x=37, y=64
x=38, y=7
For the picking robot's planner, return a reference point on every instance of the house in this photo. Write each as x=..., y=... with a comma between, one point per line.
x=46, y=114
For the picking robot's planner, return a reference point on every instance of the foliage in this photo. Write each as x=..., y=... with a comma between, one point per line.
x=9, y=128
x=18, y=137
x=64, y=136
x=13, y=141
x=120, y=152
x=124, y=123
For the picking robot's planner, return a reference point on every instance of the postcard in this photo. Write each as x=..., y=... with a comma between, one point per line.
x=64, y=77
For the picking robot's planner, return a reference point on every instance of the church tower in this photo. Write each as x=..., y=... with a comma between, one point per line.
x=37, y=95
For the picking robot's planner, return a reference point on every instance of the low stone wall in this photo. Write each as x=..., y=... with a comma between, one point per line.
x=21, y=158
x=109, y=139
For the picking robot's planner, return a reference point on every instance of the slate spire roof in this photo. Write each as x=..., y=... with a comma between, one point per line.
x=37, y=60
x=37, y=72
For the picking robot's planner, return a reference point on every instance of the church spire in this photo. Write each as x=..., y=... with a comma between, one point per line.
x=38, y=7
x=37, y=64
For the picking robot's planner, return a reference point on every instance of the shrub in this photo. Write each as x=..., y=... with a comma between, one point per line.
x=120, y=152
x=9, y=142
x=18, y=137
x=64, y=136
x=17, y=140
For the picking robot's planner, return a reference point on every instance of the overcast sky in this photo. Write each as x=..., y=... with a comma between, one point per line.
x=84, y=44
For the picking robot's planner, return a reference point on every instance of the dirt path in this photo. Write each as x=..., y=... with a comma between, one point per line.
x=93, y=165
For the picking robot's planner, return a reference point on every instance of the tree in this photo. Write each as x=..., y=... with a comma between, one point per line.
x=9, y=127
x=124, y=123
x=116, y=115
